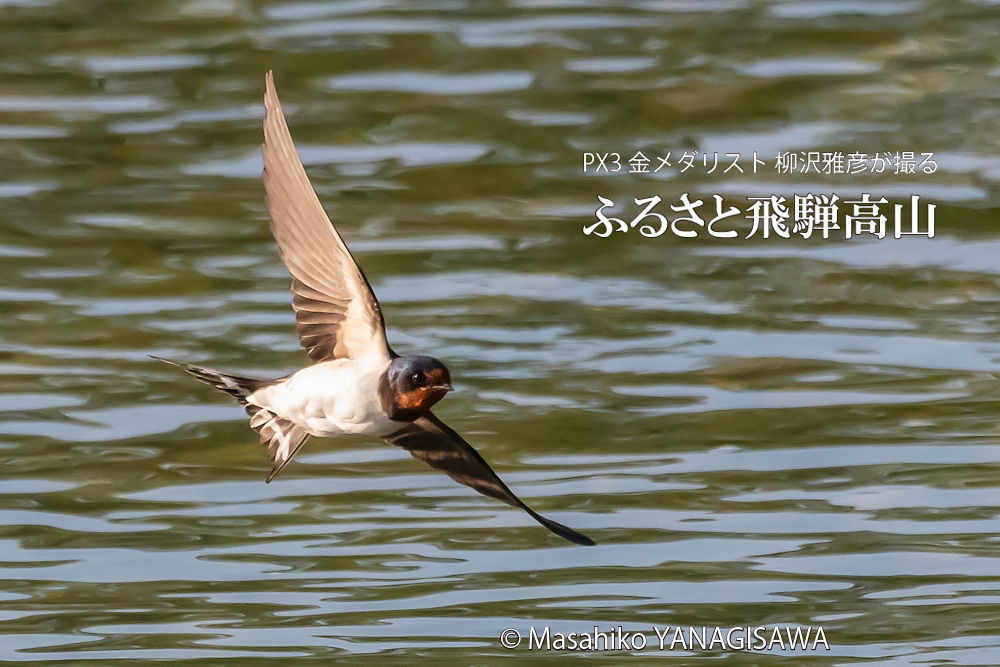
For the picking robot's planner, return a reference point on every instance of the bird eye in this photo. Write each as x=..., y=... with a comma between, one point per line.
x=416, y=377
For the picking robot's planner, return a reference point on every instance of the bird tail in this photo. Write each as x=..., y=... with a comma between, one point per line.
x=282, y=437
x=235, y=385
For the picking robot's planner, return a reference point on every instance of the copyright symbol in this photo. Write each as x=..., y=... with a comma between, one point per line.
x=510, y=638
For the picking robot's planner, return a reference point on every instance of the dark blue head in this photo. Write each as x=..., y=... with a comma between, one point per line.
x=412, y=385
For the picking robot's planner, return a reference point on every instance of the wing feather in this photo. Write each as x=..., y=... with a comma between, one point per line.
x=336, y=313
x=433, y=442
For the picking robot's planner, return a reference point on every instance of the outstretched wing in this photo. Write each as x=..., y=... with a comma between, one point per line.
x=336, y=313
x=430, y=440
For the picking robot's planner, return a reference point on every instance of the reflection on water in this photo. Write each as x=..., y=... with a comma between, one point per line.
x=756, y=433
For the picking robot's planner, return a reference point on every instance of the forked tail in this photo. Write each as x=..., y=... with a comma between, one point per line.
x=235, y=385
x=282, y=437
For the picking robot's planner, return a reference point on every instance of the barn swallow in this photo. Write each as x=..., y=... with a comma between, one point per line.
x=356, y=384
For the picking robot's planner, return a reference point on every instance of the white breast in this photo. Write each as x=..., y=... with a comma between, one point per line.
x=331, y=398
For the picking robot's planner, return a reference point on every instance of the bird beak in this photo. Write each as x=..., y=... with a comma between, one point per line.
x=445, y=387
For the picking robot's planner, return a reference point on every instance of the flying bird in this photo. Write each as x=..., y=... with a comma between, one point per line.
x=356, y=384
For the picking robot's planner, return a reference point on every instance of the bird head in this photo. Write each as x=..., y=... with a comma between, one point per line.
x=415, y=384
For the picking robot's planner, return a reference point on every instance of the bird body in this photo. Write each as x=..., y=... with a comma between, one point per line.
x=338, y=397
x=357, y=385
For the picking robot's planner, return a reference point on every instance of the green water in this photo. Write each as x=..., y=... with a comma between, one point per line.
x=757, y=432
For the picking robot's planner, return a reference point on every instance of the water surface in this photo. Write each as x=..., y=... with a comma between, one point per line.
x=757, y=433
